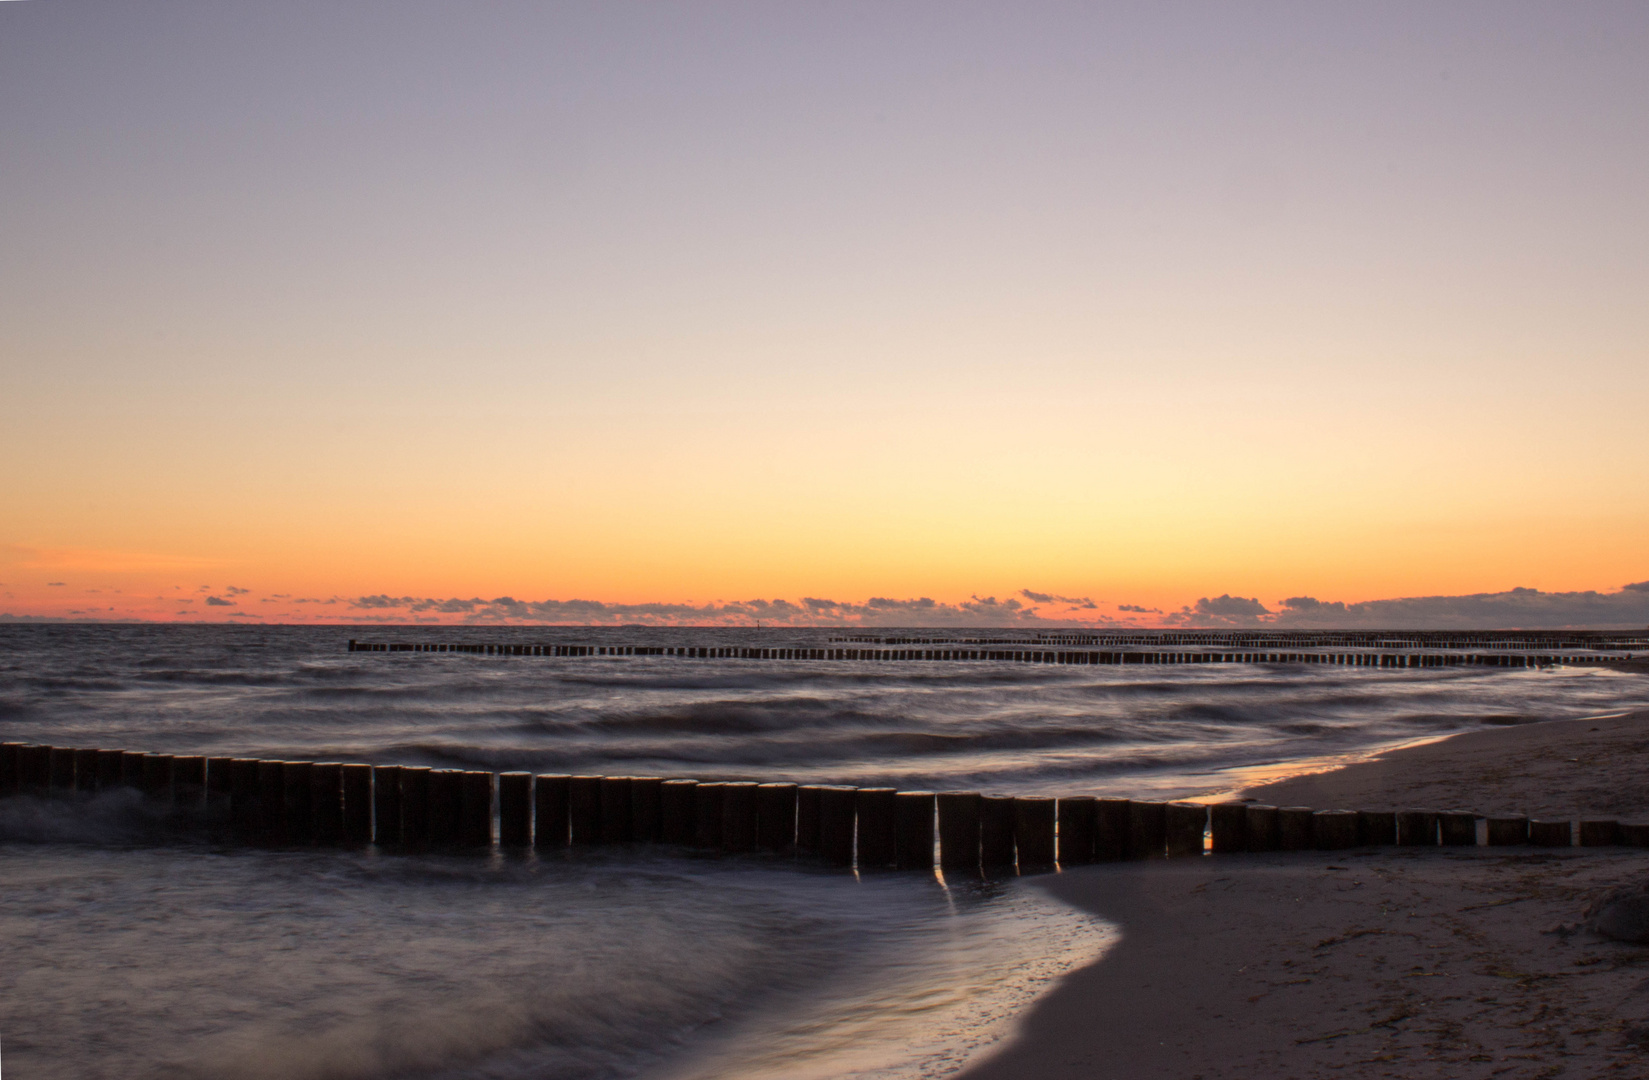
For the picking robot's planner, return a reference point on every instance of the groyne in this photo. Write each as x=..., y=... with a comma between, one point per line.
x=306, y=804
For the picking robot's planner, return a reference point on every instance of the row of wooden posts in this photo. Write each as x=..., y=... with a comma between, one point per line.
x=1024, y=656
x=302, y=803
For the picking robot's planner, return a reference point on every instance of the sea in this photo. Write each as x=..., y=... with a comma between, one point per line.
x=129, y=952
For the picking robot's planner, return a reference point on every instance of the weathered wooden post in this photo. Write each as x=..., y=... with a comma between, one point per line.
x=10, y=769
x=584, y=801
x=1077, y=817
x=245, y=819
x=1376, y=828
x=808, y=819
x=996, y=849
x=913, y=814
x=552, y=811
x=60, y=769
x=326, y=794
x=297, y=781
x=615, y=809
x=386, y=805
x=878, y=836
x=1186, y=825
x=1547, y=833
x=515, y=809
x=1458, y=828
x=271, y=824
x=678, y=814
x=1034, y=829
x=157, y=778
x=1113, y=823
x=836, y=823
x=1264, y=830
x=1334, y=830
x=415, y=805
x=1147, y=830
x=646, y=822
x=1507, y=830
x=357, y=785
x=1294, y=828
x=959, y=830
x=1228, y=827
x=108, y=769
x=446, y=807
x=707, y=800
x=85, y=771
x=1599, y=832
x=738, y=816
x=776, y=816
x=188, y=780
x=1417, y=828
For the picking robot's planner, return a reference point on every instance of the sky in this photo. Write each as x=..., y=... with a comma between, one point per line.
x=914, y=313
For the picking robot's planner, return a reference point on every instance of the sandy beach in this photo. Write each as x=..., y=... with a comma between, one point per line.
x=1377, y=962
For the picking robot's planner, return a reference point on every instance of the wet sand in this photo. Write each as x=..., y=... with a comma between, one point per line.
x=1372, y=963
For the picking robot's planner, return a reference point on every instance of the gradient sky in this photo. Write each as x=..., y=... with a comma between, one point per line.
x=680, y=304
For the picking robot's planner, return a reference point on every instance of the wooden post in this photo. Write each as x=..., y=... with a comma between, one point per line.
x=913, y=816
x=189, y=780
x=10, y=769
x=108, y=769
x=245, y=821
x=615, y=810
x=1546, y=833
x=1458, y=828
x=1634, y=833
x=1264, y=830
x=297, y=782
x=326, y=792
x=707, y=800
x=836, y=823
x=807, y=819
x=1186, y=824
x=157, y=778
x=996, y=831
x=878, y=833
x=1077, y=817
x=386, y=805
x=738, y=816
x=552, y=811
x=776, y=816
x=60, y=769
x=1334, y=830
x=1417, y=828
x=1113, y=822
x=220, y=780
x=1034, y=828
x=1147, y=830
x=131, y=769
x=515, y=809
x=584, y=804
x=1376, y=828
x=357, y=784
x=1228, y=827
x=1508, y=830
x=646, y=822
x=678, y=818
x=1599, y=832
x=446, y=807
x=415, y=806
x=959, y=830
x=1294, y=828
x=85, y=771
x=271, y=806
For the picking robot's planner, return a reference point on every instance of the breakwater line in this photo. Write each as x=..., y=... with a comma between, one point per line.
x=335, y=804
x=859, y=653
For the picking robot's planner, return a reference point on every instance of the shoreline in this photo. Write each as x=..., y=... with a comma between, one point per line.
x=1391, y=962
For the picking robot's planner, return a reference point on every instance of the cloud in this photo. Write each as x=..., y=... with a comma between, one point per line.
x=1221, y=611
x=234, y=591
x=1080, y=602
x=1141, y=610
x=1515, y=609
x=809, y=611
x=218, y=601
x=54, y=584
